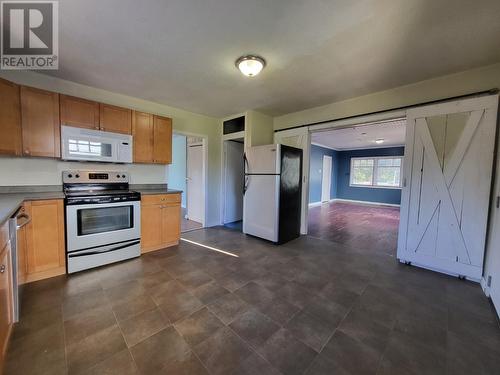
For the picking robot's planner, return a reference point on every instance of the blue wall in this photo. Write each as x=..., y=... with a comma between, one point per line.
x=316, y=172
x=177, y=170
x=381, y=195
x=341, y=165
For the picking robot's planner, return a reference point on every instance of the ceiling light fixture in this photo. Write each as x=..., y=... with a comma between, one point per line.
x=379, y=141
x=250, y=65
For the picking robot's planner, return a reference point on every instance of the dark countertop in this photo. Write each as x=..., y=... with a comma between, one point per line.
x=10, y=202
x=158, y=191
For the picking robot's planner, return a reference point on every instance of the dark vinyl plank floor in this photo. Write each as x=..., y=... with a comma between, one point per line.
x=311, y=306
x=362, y=226
x=188, y=225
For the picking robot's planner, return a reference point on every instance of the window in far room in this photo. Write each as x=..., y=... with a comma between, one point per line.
x=376, y=172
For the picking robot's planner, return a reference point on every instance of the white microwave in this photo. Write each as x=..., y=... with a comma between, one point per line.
x=95, y=145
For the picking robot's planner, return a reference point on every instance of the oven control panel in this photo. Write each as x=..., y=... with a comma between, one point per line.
x=86, y=177
x=104, y=199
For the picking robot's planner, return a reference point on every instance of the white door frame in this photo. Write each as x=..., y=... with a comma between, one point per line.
x=334, y=125
x=326, y=178
x=301, y=132
x=224, y=174
x=226, y=137
x=204, y=140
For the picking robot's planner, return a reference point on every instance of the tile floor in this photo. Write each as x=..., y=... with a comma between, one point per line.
x=308, y=307
x=188, y=225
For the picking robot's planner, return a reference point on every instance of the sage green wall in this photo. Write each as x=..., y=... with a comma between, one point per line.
x=466, y=82
x=46, y=171
x=259, y=129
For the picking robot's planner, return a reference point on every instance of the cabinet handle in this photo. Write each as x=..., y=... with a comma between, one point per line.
x=26, y=218
x=27, y=151
x=2, y=268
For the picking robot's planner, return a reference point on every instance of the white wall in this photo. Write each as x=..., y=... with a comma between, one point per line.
x=41, y=171
x=258, y=129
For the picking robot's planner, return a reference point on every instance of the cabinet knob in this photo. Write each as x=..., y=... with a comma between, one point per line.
x=2, y=268
x=26, y=151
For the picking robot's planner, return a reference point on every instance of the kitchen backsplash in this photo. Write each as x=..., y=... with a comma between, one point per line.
x=40, y=171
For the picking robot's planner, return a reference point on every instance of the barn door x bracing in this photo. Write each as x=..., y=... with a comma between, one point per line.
x=448, y=170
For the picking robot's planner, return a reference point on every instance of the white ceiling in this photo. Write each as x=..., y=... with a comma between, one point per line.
x=363, y=136
x=182, y=52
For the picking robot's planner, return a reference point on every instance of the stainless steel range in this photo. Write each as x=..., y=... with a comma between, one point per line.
x=103, y=219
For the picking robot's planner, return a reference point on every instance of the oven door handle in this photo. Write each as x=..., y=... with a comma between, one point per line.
x=95, y=252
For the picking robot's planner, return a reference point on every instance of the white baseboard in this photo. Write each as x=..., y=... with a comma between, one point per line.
x=365, y=202
x=314, y=204
x=484, y=286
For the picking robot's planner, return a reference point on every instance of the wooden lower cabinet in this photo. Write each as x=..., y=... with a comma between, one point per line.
x=6, y=301
x=160, y=221
x=45, y=254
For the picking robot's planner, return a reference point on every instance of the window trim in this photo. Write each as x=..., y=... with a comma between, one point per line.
x=375, y=167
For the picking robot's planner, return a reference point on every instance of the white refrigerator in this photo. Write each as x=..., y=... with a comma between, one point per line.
x=272, y=192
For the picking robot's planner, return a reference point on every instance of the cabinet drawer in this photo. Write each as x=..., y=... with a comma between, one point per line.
x=161, y=198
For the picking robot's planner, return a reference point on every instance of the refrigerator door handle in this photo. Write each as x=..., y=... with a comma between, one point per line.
x=245, y=184
x=245, y=177
x=245, y=161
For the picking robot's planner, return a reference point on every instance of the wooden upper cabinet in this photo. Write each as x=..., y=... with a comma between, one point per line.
x=80, y=113
x=10, y=119
x=162, y=140
x=115, y=119
x=142, y=132
x=40, y=122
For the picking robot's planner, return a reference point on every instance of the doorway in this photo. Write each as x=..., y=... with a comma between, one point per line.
x=355, y=185
x=233, y=182
x=187, y=173
x=326, y=179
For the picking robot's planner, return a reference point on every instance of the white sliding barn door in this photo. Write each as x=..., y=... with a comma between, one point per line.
x=448, y=168
x=299, y=138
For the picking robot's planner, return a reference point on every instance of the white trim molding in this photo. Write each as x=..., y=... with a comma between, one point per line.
x=365, y=202
x=368, y=203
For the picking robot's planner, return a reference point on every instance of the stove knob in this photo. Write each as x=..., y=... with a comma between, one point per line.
x=123, y=175
x=70, y=175
x=117, y=176
x=77, y=176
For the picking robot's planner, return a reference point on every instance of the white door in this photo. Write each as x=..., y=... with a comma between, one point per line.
x=299, y=138
x=233, y=181
x=195, y=201
x=447, y=177
x=326, y=180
